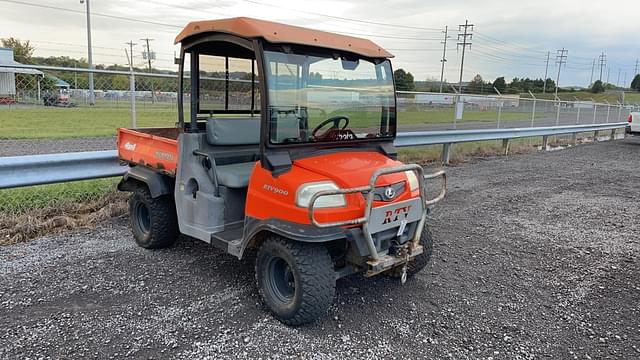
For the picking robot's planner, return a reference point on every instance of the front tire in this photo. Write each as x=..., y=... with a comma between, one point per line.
x=296, y=280
x=153, y=220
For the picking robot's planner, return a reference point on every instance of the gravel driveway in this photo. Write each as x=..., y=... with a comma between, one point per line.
x=535, y=256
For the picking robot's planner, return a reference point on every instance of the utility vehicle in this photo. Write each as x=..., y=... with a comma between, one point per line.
x=296, y=162
x=634, y=124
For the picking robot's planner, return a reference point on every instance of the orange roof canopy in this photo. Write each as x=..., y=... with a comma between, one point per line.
x=284, y=34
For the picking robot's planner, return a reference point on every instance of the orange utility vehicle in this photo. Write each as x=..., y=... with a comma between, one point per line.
x=294, y=158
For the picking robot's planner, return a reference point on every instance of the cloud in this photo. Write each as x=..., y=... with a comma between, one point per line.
x=511, y=38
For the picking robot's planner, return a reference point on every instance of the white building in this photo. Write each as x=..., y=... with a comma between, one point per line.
x=8, y=73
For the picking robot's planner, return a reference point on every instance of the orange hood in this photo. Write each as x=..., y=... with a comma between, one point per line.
x=352, y=169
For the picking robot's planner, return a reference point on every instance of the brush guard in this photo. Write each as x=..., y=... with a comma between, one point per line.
x=378, y=263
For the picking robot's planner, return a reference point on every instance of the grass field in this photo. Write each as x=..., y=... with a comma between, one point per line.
x=56, y=123
x=630, y=97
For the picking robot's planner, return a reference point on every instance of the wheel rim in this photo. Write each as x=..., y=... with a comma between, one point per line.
x=143, y=219
x=280, y=280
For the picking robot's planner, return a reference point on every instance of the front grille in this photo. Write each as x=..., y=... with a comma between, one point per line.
x=379, y=192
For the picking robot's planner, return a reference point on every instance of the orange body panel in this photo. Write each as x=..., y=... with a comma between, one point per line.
x=142, y=147
x=284, y=34
x=275, y=197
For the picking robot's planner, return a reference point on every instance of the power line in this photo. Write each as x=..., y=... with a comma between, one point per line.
x=561, y=58
x=465, y=37
x=444, y=56
x=603, y=60
x=546, y=73
x=92, y=13
x=345, y=18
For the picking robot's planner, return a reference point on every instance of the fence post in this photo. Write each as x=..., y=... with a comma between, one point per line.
x=533, y=110
x=558, y=111
x=545, y=141
x=505, y=147
x=595, y=110
x=608, y=110
x=574, y=137
x=132, y=90
x=446, y=153
x=619, y=111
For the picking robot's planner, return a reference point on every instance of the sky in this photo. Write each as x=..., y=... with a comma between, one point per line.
x=510, y=38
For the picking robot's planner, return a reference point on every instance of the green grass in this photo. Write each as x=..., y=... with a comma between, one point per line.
x=57, y=196
x=630, y=97
x=101, y=121
x=56, y=123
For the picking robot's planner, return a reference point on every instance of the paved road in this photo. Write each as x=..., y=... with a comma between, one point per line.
x=536, y=256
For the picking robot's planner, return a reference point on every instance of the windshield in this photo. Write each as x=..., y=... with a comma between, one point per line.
x=328, y=98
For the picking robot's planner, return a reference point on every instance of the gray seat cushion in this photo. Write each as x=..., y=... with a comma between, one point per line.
x=233, y=131
x=235, y=175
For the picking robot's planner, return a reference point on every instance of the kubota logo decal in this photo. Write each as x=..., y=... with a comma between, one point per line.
x=129, y=146
x=391, y=216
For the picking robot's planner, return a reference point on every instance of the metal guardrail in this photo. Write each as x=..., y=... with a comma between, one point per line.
x=19, y=171
x=406, y=139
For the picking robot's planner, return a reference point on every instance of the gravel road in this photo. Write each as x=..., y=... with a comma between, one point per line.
x=535, y=256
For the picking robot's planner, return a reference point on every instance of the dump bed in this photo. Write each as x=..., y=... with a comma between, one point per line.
x=156, y=148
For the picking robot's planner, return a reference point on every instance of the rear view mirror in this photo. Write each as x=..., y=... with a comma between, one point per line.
x=349, y=64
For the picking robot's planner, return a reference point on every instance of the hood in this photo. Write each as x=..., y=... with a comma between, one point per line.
x=352, y=169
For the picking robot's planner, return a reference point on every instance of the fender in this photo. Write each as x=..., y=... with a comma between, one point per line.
x=295, y=232
x=158, y=184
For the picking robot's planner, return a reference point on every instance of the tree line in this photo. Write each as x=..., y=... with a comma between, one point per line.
x=405, y=82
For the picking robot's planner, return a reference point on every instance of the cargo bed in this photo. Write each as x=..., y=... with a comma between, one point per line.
x=156, y=148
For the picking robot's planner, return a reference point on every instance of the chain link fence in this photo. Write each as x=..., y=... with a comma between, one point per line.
x=53, y=103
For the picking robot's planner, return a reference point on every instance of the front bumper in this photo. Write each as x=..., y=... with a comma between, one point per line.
x=379, y=262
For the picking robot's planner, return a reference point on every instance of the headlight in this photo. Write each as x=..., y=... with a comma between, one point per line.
x=306, y=192
x=413, y=180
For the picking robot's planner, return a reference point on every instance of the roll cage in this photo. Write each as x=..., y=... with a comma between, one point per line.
x=275, y=157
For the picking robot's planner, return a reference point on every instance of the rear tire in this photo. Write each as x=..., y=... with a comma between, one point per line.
x=419, y=262
x=296, y=280
x=153, y=220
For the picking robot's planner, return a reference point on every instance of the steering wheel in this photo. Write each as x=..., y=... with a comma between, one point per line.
x=336, y=124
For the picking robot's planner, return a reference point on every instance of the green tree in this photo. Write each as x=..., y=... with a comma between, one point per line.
x=22, y=51
x=500, y=84
x=635, y=84
x=597, y=87
x=404, y=80
x=476, y=85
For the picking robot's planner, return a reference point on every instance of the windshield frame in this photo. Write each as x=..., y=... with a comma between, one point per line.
x=319, y=52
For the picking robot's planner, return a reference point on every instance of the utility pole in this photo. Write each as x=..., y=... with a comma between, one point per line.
x=619, y=73
x=561, y=59
x=465, y=36
x=602, y=60
x=444, y=56
x=92, y=95
x=546, y=71
x=150, y=56
x=593, y=67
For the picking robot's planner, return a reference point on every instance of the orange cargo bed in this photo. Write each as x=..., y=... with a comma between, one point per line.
x=156, y=148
